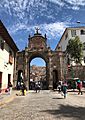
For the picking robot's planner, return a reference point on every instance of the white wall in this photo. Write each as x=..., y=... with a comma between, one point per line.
x=5, y=67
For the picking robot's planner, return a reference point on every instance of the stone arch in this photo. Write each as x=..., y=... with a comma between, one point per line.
x=37, y=47
x=45, y=58
x=37, y=54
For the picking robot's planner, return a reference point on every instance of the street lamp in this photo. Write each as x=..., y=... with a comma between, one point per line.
x=78, y=21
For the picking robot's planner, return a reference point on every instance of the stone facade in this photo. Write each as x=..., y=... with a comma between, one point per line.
x=37, y=47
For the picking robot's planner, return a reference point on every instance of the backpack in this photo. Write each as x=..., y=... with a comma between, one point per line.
x=64, y=88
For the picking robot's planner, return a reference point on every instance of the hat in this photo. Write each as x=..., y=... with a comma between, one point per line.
x=78, y=81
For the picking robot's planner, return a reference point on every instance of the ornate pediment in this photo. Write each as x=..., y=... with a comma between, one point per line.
x=37, y=42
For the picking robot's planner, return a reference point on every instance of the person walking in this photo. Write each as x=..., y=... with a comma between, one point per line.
x=37, y=87
x=79, y=87
x=10, y=87
x=64, y=88
x=59, y=87
x=23, y=89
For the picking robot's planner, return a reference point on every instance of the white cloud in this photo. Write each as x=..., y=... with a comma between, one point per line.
x=19, y=7
x=75, y=8
x=55, y=28
x=15, y=8
x=25, y=4
x=73, y=4
x=17, y=27
x=58, y=2
x=52, y=30
x=76, y=2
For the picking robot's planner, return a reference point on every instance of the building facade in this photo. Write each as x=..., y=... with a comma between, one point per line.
x=71, y=33
x=37, y=47
x=8, y=51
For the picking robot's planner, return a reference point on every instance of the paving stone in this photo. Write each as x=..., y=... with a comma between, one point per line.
x=45, y=105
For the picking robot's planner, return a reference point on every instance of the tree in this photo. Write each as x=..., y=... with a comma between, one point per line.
x=74, y=49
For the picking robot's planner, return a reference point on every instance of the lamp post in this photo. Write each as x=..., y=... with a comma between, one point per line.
x=79, y=22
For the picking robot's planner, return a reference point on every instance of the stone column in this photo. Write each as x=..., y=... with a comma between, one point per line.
x=50, y=72
x=14, y=73
x=26, y=72
x=61, y=66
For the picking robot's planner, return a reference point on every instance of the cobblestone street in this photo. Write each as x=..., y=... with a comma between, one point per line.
x=45, y=105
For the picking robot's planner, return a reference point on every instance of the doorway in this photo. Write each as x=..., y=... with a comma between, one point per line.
x=19, y=79
x=9, y=78
x=55, y=79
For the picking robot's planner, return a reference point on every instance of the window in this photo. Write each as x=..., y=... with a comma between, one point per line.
x=10, y=53
x=82, y=32
x=84, y=46
x=10, y=57
x=2, y=44
x=73, y=33
x=66, y=36
x=59, y=47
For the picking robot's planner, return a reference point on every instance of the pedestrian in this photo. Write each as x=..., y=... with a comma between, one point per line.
x=59, y=87
x=23, y=89
x=10, y=87
x=64, y=88
x=37, y=87
x=79, y=87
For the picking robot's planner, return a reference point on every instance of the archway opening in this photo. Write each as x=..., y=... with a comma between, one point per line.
x=19, y=79
x=55, y=79
x=38, y=73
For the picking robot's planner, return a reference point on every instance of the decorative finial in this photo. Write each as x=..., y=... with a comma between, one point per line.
x=29, y=38
x=37, y=30
x=45, y=36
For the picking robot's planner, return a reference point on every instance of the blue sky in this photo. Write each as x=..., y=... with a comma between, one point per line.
x=20, y=17
x=38, y=61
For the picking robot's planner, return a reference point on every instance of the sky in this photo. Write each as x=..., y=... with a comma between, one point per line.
x=21, y=17
x=38, y=62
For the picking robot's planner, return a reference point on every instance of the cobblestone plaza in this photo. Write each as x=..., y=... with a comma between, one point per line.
x=45, y=105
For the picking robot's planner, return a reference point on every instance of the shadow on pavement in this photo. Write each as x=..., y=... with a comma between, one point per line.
x=77, y=113
x=57, y=98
